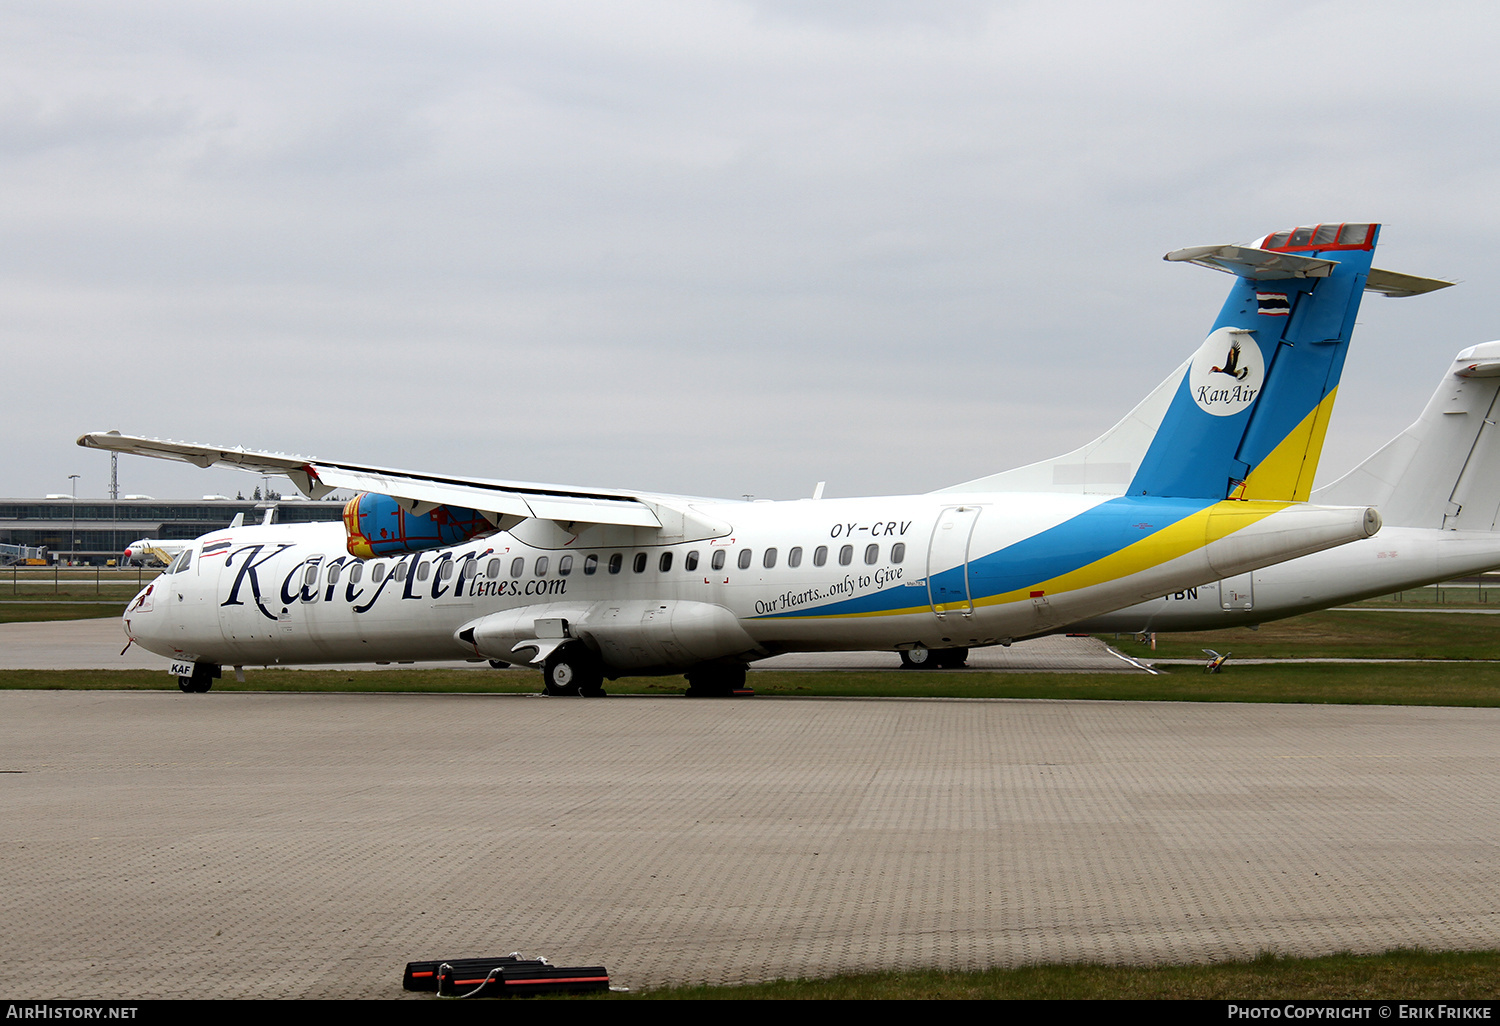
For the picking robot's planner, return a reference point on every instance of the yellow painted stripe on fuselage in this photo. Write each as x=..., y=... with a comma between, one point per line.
x=1286, y=473
x=1189, y=534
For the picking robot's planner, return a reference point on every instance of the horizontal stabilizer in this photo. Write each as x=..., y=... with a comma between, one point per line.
x=1264, y=265
x=1256, y=264
x=1398, y=286
x=420, y=492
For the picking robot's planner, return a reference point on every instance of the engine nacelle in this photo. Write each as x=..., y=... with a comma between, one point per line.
x=630, y=635
x=377, y=525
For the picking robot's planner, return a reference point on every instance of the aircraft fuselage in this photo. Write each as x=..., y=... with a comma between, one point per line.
x=1398, y=558
x=888, y=573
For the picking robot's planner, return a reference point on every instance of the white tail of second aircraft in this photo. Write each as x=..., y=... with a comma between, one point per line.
x=1442, y=472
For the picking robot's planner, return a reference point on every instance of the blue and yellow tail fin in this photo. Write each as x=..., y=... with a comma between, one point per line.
x=1245, y=416
x=1248, y=418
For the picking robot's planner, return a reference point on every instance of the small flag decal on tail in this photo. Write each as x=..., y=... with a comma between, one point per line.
x=1273, y=304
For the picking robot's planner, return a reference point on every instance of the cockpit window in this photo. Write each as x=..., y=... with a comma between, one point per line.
x=182, y=562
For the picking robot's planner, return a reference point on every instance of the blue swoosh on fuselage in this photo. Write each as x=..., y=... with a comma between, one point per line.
x=1086, y=538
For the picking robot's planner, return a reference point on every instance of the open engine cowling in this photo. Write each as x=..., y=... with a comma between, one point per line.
x=377, y=525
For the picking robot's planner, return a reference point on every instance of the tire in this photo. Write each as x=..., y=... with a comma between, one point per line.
x=919, y=658
x=499, y=664
x=572, y=670
x=201, y=680
x=952, y=658
x=717, y=680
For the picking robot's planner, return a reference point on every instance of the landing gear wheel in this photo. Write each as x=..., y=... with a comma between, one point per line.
x=201, y=680
x=499, y=664
x=919, y=658
x=573, y=670
x=718, y=681
x=951, y=658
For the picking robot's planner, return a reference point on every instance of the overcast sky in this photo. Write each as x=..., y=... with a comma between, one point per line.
x=715, y=247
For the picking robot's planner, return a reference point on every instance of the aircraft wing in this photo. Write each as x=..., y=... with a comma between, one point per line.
x=507, y=500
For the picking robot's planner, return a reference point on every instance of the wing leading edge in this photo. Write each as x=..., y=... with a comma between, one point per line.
x=509, y=501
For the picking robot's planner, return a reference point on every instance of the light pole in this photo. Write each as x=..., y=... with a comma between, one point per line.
x=73, y=531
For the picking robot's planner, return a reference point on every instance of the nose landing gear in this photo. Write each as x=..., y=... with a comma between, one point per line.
x=201, y=680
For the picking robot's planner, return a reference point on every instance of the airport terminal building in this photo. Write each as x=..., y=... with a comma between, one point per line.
x=96, y=531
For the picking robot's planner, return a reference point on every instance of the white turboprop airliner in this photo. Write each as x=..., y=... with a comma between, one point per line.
x=1437, y=486
x=595, y=583
x=143, y=549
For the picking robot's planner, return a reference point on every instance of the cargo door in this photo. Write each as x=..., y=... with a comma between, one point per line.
x=1237, y=592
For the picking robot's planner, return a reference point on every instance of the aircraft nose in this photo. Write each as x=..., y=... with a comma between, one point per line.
x=137, y=616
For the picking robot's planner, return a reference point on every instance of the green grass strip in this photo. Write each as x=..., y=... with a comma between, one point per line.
x=77, y=609
x=1337, y=634
x=1412, y=974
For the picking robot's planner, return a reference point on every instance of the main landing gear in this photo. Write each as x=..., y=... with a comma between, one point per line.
x=718, y=680
x=573, y=670
x=922, y=658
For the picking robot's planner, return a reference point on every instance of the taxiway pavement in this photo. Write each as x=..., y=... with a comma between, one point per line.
x=308, y=845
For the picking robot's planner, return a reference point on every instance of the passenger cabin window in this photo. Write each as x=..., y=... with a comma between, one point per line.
x=377, y=573
x=590, y=564
x=665, y=563
x=423, y=569
x=872, y=553
x=769, y=559
x=400, y=571
x=690, y=561
x=565, y=566
x=794, y=557
x=356, y=572
x=718, y=561
x=820, y=555
x=517, y=567
x=638, y=565
x=493, y=569
x=445, y=570
x=616, y=560
x=745, y=557
x=898, y=552
x=846, y=555
x=541, y=566
x=333, y=573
